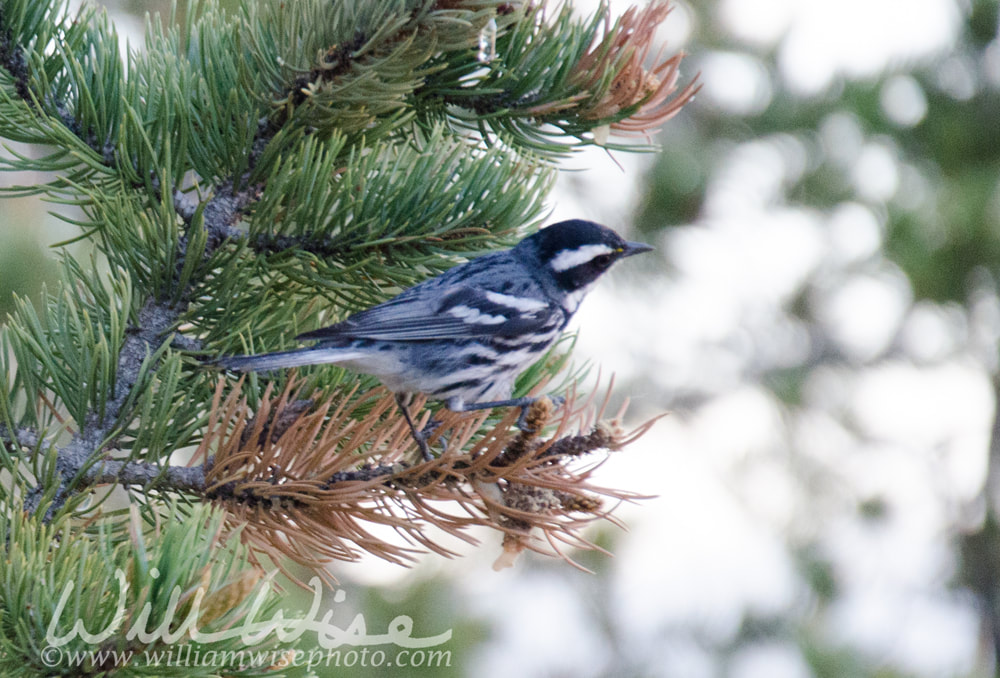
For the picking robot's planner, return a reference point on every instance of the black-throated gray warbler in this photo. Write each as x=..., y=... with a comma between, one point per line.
x=464, y=336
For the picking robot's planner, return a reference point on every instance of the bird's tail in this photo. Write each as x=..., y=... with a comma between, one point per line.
x=284, y=359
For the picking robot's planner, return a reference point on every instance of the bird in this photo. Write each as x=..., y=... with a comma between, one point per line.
x=464, y=336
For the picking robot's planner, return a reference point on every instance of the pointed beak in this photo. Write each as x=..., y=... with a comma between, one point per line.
x=635, y=248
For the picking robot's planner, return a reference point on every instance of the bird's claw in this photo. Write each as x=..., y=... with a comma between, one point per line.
x=430, y=427
x=425, y=450
x=422, y=436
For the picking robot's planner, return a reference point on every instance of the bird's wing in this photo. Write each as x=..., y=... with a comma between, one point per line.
x=462, y=312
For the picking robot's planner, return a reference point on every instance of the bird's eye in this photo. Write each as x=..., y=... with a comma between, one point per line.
x=602, y=260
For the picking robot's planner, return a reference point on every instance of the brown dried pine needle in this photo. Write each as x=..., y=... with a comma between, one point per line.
x=624, y=49
x=318, y=479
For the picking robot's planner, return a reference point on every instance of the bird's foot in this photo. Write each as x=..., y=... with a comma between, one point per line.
x=425, y=433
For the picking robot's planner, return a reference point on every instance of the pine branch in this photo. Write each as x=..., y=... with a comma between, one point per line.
x=12, y=60
x=22, y=437
x=182, y=568
x=156, y=320
x=245, y=177
x=87, y=35
x=185, y=479
x=556, y=84
x=219, y=214
x=297, y=484
x=307, y=481
x=172, y=479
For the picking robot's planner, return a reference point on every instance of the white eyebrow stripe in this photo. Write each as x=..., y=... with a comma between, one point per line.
x=568, y=259
x=517, y=303
x=474, y=316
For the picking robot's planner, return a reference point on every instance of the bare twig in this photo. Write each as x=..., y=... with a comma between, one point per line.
x=188, y=479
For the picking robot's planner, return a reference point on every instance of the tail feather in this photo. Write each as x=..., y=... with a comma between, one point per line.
x=285, y=359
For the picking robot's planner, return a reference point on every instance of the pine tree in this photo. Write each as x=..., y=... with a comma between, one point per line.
x=249, y=175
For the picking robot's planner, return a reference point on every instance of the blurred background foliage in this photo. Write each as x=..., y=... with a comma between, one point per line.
x=866, y=374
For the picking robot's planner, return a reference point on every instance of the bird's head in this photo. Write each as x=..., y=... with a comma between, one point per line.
x=575, y=253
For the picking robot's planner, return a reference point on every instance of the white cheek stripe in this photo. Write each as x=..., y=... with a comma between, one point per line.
x=517, y=303
x=574, y=299
x=474, y=316
x=568, y=259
